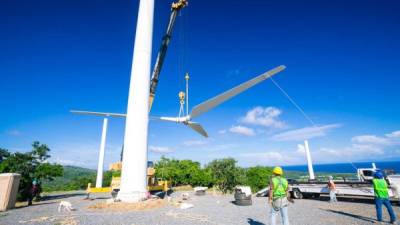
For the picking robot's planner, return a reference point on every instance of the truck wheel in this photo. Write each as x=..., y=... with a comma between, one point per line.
x=316, y=195
x=297, y=194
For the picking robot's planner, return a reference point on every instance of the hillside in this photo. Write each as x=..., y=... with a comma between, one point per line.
x=73, y=178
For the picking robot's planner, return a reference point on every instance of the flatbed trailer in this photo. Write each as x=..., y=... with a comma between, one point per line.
x=315, y=189
x=361, y=186
x=300, y=190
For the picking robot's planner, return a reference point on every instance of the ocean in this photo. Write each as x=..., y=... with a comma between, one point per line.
x=345, y=167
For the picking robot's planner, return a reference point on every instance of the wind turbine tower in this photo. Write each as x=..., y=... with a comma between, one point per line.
x=134, y=161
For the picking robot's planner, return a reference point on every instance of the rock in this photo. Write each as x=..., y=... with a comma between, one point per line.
x=186, y=206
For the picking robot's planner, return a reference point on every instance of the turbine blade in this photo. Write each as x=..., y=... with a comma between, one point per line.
x=98, y=113
x=164, y=118
x=217, y=100
x=198, y=128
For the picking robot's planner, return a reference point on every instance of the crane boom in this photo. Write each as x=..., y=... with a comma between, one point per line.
x=175, y=8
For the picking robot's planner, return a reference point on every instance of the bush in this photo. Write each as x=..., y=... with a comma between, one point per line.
x=224, y=173
x=31, y=165
x=182, y=172
x=258, y=177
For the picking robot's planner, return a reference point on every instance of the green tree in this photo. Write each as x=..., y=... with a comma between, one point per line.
x=31, y=165
x=258, y=177
x=183, y=172
x=202, y=177
x=3, y=154
x=224, y=173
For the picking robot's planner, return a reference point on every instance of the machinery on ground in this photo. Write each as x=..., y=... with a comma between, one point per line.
x=154, y=184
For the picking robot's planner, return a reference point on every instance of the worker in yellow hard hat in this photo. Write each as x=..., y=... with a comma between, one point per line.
x=278, y=196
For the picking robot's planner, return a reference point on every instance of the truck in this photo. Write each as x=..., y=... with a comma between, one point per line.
x=361, y=186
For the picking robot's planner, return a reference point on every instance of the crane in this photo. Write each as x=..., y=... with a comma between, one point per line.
x=175, y=8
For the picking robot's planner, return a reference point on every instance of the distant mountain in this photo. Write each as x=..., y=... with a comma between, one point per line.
x=74, y=178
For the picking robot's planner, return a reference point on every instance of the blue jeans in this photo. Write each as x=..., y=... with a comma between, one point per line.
x=378, y=205
x=284, y=215
x=332, y=196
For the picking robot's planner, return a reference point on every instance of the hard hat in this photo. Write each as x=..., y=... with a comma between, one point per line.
x=277, y=170
x=378, y=174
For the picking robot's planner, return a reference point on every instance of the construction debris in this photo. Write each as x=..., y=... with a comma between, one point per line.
x=186, y=206
x=185, y=196
x=200, y=190
x=121, y=206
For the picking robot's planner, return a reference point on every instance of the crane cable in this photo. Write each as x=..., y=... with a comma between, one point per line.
x=302, y=112
x=293, y=102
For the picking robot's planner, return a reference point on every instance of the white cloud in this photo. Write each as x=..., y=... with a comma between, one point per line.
x=305, y=133
x=14, y=133
x=394, y=134
x=83, y=154
x=220, y=147
x=268, y=117
x=222, y=132
x=352, y=153
x=191, y=143
x=362, y=147
x=371, y=139
x=233, y=72
x=301, y=149
x=264, y=156
x=242, y=130
x=270, y=158
x=159, y=149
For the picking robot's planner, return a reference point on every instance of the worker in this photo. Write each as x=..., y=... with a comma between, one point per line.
x=332, y=190
x=34, y=191
x=278, y=196
x=382, y=197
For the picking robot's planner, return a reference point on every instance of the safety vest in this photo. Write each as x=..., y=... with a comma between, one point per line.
x=279, y=185
x=380, y=188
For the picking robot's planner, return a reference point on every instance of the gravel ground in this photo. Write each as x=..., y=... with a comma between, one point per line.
x=207, y=209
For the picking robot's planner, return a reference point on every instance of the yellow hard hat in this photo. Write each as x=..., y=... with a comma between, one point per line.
x=277, y=170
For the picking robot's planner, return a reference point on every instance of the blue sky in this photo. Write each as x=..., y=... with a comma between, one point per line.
x=342, y=61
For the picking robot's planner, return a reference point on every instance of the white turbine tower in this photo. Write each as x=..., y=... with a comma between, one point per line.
x=309, y=161
x=134, y=162
x=100, y=165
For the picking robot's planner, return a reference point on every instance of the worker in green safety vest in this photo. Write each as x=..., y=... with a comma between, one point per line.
x=382, y=197
x=278, y=196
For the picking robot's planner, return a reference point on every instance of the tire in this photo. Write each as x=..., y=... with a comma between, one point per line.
x=244, y=202
x=114, y=193
x=240, y=196
x=296, y=193
x=200, y=193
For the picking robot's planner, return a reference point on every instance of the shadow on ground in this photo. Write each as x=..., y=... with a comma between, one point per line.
x=348, y=199
x=34, y=204
x=368, y=219
x=254, y=222
x=54, y=197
